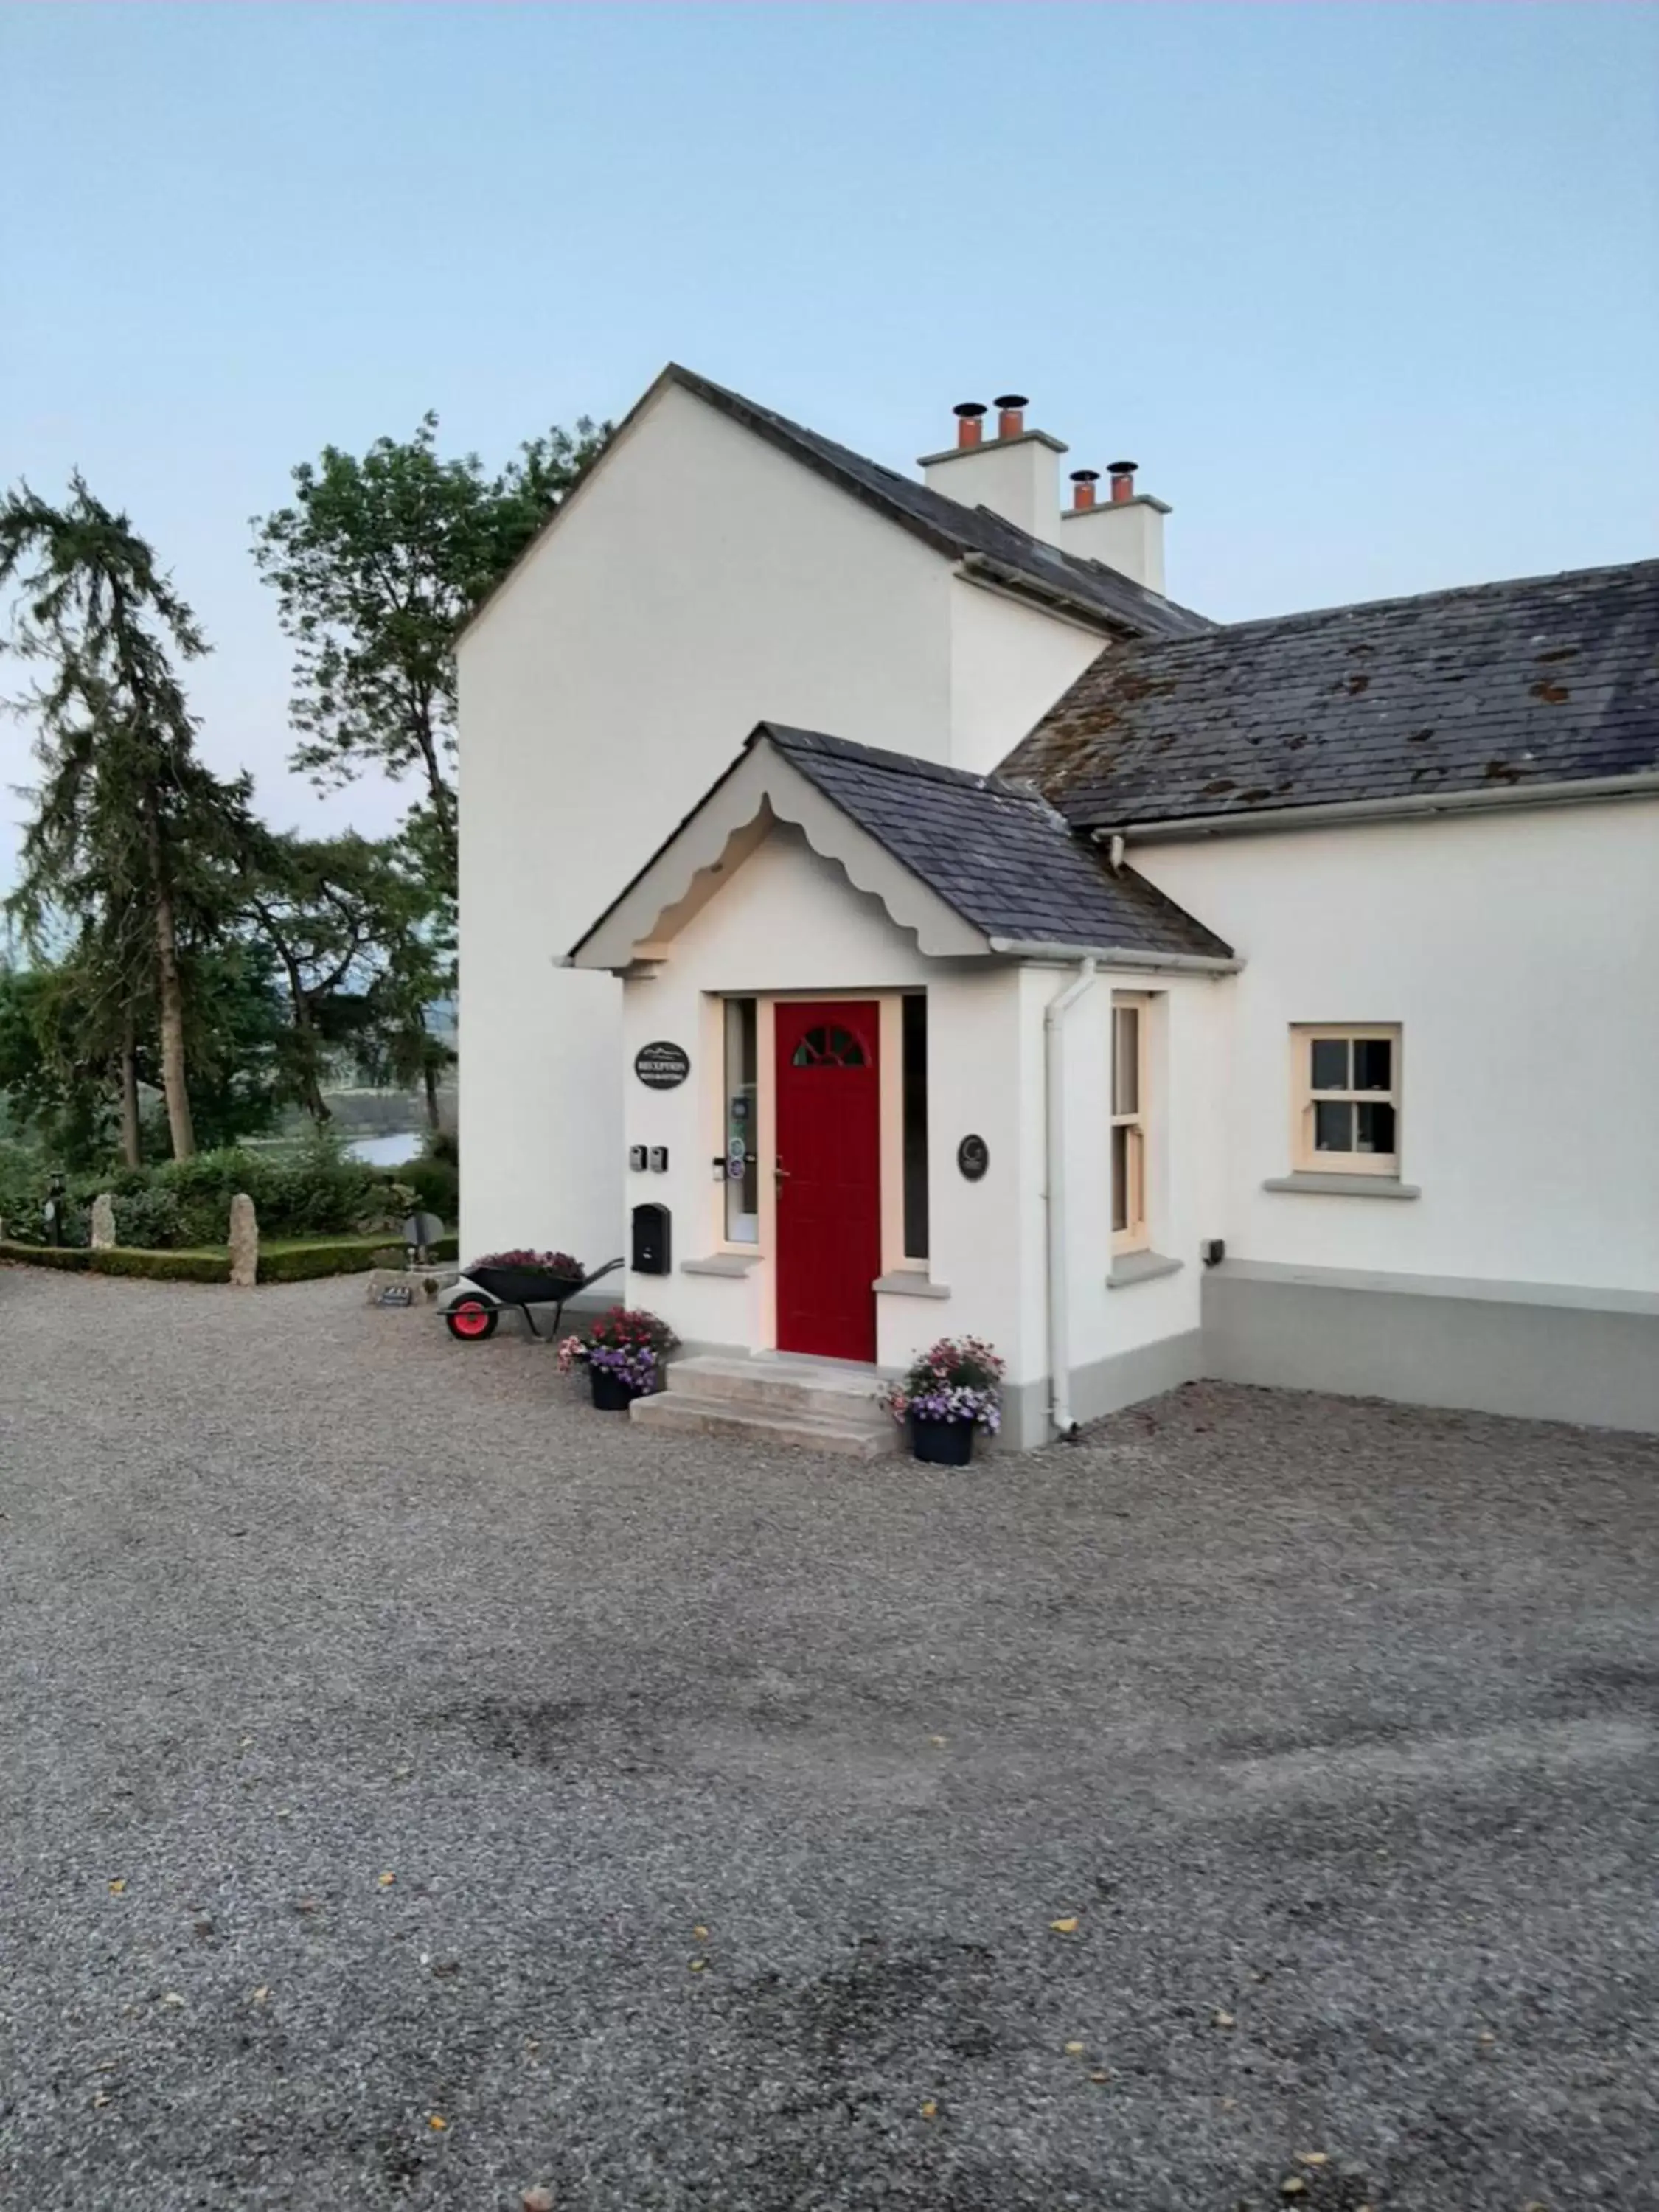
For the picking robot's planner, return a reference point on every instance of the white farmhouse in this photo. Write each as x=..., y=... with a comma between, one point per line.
x=884, y=915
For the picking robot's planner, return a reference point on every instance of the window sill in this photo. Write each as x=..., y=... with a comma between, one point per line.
x=1140, y=1268
x=1344, y=1186
x=909, y=1283
x=721, y=1263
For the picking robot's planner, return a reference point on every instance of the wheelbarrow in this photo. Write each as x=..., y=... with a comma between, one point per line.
x=475, y=1312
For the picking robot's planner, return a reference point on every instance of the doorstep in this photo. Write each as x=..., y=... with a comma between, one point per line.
x=781, y=1398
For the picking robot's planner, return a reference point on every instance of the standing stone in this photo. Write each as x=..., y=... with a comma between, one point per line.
x=103, y=1222
x=244, y=1242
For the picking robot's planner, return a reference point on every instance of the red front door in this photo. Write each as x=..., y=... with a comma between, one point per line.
x=828, y=1146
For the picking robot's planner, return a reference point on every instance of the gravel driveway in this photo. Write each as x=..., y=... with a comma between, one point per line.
x=389, y=1740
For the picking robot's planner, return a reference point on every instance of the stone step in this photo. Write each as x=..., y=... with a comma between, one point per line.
x=778, y=1385
x=684, y=1412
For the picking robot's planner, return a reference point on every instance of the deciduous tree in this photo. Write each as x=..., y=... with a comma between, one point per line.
x=378, y=564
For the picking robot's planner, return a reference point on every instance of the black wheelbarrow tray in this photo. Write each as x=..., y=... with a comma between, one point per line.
x=475, y=1311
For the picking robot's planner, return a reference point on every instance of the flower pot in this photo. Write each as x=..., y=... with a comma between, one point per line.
x=942, y=1443
x=611, y=1395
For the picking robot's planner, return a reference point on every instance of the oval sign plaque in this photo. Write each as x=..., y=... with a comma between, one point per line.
x=662, y=1067
x=973, y=1157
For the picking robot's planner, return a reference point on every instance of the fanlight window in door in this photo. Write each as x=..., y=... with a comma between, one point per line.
x=828, y=1046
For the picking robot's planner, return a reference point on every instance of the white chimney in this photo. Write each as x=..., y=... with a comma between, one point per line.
x=1015, y=473
x=1126, y=531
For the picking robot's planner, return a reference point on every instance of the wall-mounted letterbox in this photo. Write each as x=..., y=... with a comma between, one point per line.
x=653, y=1253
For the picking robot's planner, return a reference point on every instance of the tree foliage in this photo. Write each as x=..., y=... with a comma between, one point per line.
x=131, y=832
x=350, y=923
x=175, y=942
x=378, y=564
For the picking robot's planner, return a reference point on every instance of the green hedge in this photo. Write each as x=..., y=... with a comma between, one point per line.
x=76, y=1257
x=162, y=1267
x=353, y=1255
x=436, y=1183
x=158, y=1267
x=292, y=1262
x=184, y=1205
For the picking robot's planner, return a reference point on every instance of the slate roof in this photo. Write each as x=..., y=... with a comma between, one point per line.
x=946, y=524
x=996, y=852
x=1541, y=680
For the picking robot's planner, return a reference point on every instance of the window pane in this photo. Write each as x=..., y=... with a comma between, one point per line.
x=1330, y=1065
x=1373, y=1064
x=916, y=1128
x=828, y=1047
x=1375, y=1128
x=1126, y=1059
x=742, y=1186
x=1120, y=1179
x=1333, y=1127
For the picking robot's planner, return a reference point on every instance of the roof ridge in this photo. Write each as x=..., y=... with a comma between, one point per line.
x=1475, y=693
x=950, y=524
x=1439, y=592
x=788, y=738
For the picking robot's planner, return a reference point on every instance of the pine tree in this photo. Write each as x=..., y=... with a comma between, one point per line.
x=133, y=836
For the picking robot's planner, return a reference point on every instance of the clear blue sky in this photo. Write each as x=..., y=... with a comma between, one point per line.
x=1371, y=293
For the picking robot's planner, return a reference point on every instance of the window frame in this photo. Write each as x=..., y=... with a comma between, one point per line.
x=727, y=1239
x=1135, y=1236
x=914, y=1206
x=1305, y=1159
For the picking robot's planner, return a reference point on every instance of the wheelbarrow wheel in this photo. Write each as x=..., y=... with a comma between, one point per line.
x=471, y=1320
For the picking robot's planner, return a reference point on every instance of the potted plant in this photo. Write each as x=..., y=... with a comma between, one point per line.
x=623, y=1352
x=950, y=1391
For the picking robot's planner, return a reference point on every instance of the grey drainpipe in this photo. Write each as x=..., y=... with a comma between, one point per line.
x=1054, y=1184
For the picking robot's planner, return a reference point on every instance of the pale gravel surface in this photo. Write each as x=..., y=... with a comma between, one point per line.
x=1335, y=1718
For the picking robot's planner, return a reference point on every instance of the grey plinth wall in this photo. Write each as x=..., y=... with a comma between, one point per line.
x=1538, y=1351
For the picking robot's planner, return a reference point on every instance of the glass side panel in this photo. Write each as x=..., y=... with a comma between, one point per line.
x=1373, y=1064
x=1330, y=1070
x=1120, y=1179
x=1126, y=1059
x=916, y=1128
x=1333, y=1127
x=1374, y=1128
x=742, y=1176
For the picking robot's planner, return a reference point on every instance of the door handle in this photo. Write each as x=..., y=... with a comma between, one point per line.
x=780, y=1173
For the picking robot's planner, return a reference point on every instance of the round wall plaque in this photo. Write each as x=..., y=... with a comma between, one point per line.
x=973, y=1157
x=662, y=1067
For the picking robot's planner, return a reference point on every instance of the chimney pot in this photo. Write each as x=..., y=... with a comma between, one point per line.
x=1083, y=494
x=969, y=429
x=1011, y=414
x=1123, y=474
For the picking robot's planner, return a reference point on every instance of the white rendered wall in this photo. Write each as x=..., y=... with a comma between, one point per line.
x=1520, y=951
x=1009, y=663
x=1186, y=1046
x=1017, y=478
x=1128, y=535
x=787, y=921
x=700, y=582
x=978, y=1084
